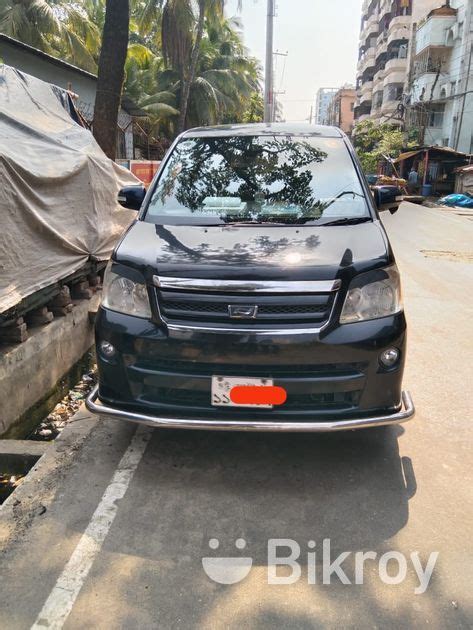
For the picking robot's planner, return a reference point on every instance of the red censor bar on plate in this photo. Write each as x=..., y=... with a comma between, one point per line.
x=258, y=395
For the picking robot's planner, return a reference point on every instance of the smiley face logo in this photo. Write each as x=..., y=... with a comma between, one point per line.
x=227, y=569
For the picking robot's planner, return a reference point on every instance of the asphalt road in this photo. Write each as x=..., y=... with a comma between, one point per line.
x=137, y=560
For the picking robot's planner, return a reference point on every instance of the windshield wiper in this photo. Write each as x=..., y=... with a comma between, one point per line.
x=243, y=223
x=347, y=221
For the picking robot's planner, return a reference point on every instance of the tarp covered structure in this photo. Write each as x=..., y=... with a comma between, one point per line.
x=58, y=190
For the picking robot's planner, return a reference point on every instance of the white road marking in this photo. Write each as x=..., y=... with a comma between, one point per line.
x=61, y=599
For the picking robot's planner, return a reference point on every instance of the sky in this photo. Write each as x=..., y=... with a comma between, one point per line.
x=321, y=37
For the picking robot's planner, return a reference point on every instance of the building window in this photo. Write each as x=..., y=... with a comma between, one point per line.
x=436, y=114
x=393, y=92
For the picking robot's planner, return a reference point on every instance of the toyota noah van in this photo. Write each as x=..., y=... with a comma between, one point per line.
x=256, y=290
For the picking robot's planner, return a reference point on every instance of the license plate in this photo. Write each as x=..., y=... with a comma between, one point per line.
x=223, y=385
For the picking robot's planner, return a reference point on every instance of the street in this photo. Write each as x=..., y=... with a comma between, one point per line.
x=402, y=489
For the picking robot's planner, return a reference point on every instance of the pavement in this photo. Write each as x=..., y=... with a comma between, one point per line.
x=111, y=528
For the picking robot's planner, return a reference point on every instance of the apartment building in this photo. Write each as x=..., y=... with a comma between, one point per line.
x=415, y=68
x=385, y=35
x=440, y=86
x=322, y=103
x=341, y=108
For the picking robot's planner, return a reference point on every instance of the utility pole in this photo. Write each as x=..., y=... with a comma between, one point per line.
x=460, y=124
x=268, y=84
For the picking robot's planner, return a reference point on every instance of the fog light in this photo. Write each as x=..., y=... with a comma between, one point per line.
x=107, y=349
x=389, y=357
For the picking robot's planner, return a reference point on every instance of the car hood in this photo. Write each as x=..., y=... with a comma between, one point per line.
x=254, y=252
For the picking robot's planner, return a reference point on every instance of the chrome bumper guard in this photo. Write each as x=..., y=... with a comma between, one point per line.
x=406, y=412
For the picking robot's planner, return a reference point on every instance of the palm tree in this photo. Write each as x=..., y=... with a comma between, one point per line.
x=224, y=63
x=58, y=27
x=143, y=70
x=211, y=9
x=224, y=82
x=111, y=74
x=182, y=30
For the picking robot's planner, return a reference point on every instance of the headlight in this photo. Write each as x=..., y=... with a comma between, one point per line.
x=373, y=295
x=124, y=295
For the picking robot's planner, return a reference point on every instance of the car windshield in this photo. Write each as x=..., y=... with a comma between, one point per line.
x=258, y=179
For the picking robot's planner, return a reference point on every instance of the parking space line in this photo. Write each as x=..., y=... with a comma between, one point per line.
x=61, y=599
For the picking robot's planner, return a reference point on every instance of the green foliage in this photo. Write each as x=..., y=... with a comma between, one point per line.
x=373, y=141
x=57, y=27
x=163, y=35
x=255, y=110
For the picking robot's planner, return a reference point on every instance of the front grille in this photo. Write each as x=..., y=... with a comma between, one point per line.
x=150, y=360
x=192, y=307
x=176, y=308
x=201, y=399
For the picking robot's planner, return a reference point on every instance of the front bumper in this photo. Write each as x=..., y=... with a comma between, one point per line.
x=406, y=412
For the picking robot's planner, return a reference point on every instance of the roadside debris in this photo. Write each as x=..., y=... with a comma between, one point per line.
x=55, y=422
x=8, y=483
x=448, y=255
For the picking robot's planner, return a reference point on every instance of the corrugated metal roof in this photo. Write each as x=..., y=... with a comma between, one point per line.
x=408, y=154
x=446, y=150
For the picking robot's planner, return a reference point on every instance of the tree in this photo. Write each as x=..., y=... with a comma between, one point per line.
x=225, y=77
x=255, y=111
x=57, y=27
x=111, y=74
x=182, y=36
x=183, y=25
x=373, y=141
x=165, y=36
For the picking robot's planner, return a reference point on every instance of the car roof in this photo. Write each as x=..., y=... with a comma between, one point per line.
x=265, y=129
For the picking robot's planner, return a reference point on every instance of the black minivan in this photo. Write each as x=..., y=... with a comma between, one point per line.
x=257, y=290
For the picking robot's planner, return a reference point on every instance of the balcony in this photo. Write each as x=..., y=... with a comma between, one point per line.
x=362, y=109
x=388, y=107
x=378, y=81
x=382, y=47
x=377, y=102
x=430, y=60
x=366, y=89
x=372, y=24
x=422, y=87
x=367, y=60
x=399, y=28
x=395, y=65
x=385, y=7
x=434, y=33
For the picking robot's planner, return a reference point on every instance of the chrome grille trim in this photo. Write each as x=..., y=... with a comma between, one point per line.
x=247, y=286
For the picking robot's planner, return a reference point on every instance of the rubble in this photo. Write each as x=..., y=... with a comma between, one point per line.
x=55, y=422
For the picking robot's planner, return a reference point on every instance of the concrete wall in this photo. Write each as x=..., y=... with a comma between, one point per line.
x=29, y=371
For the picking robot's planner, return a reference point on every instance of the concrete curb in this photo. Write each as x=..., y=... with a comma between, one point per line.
x=37, y=491
x=40, y=363
x=18, y=456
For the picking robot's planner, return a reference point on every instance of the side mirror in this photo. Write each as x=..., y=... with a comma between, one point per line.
x=387, y=198
x=131, y=197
